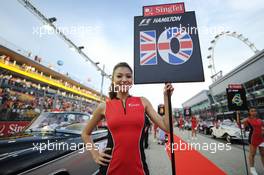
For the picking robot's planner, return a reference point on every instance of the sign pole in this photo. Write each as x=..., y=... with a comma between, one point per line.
x=237, y=100
x=153, y=51
x=242, y=137
x=173, y=168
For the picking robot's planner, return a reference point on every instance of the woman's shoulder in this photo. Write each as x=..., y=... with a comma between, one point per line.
x=101, y=106
x=144, y=100
x=245, y=119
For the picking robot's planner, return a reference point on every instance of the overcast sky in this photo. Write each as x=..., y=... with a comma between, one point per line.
x=105, y=29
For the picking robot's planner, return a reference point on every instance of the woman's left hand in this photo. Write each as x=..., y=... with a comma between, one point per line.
x=168, y=89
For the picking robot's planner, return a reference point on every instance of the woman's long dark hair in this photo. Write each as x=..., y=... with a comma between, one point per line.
x=112, y=93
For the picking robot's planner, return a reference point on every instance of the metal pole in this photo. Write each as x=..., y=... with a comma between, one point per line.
x=43, y=101
x=245, y=157
x=173, y=166
x=27, y=4
x=102, y=83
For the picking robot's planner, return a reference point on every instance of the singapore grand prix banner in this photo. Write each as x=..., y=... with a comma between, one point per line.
x=166, y=49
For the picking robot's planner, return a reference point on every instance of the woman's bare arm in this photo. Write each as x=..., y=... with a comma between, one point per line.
x=98, y=115
x=162, y=122
x=239, y=121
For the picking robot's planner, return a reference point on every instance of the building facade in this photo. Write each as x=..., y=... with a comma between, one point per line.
x=213, y=102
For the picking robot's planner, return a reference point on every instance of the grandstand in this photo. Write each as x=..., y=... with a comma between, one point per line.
x=28, y=87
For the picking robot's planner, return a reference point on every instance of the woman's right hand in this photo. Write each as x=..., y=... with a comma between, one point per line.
x=102, y=158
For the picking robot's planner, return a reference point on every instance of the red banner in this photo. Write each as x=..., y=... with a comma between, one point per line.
x=164, y=9
x=10, y=128
x=235, y=86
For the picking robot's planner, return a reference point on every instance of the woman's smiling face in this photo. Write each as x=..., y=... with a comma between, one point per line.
x=123, y=79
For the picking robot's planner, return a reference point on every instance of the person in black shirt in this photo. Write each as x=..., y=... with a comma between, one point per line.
x=146, y=131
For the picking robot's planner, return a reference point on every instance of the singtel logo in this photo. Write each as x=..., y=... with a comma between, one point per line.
x=133, y=105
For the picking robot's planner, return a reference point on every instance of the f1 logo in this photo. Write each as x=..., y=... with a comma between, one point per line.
x=145, y=22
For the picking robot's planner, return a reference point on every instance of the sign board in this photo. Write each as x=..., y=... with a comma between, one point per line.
x=187, y=112
x=236, y=98
x=9, y=128
x=163, y=9
x=235, y=86
x=167, y=49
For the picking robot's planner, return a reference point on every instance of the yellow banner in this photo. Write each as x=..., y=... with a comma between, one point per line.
x=46, y=80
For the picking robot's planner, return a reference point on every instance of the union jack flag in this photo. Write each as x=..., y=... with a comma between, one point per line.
x=148, y=51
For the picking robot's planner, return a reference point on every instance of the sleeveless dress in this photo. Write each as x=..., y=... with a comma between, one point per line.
x=125, y=137
x=194, y=122
x=255, y=135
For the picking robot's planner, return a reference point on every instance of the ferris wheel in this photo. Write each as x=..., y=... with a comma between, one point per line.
x=218, y=74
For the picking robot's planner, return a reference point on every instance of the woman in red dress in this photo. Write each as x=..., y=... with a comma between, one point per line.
x=256, y=138
x=194, y=127
x=125, y=117
x=181, y=123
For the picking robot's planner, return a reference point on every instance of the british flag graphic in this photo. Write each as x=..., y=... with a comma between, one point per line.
x=148, y=51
